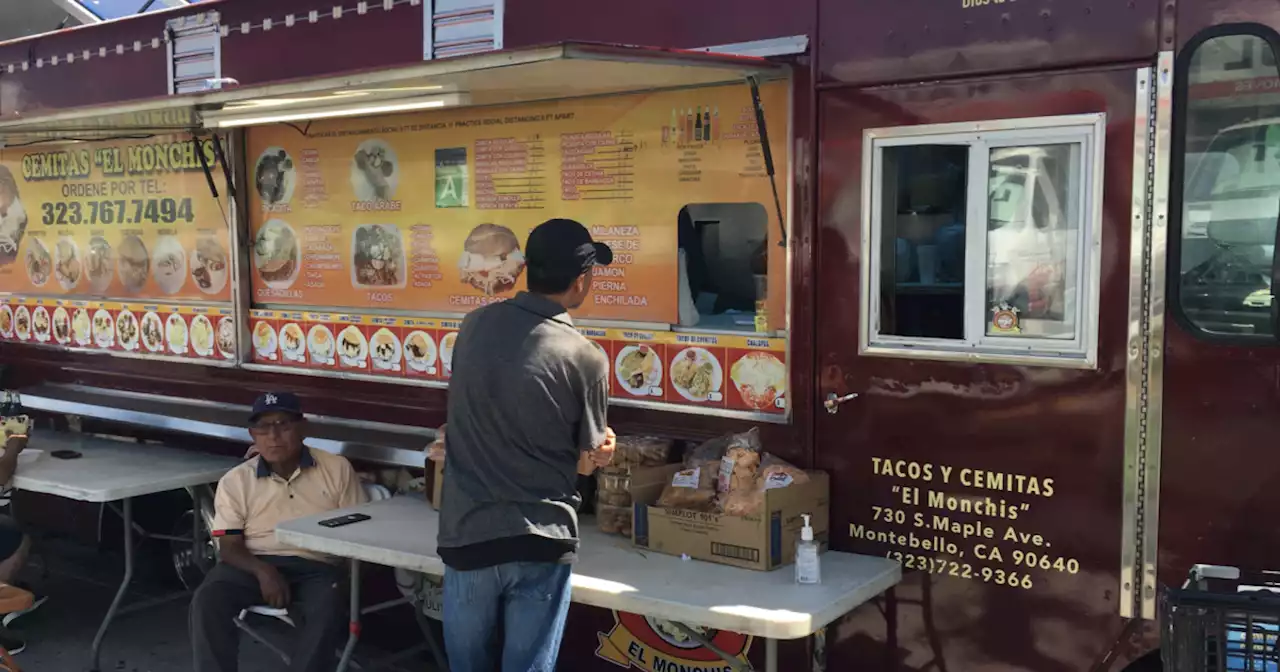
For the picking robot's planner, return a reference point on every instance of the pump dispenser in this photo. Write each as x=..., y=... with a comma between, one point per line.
x=808, y=565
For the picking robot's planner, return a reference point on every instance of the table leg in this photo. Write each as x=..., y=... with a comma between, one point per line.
x=437, y=654
x=353, y=631
x=771, y=655
x=124, y=585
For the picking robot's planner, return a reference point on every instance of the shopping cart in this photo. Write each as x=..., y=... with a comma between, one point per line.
x=1222, y=620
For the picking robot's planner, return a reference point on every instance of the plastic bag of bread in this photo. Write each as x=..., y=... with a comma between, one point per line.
x=613, y=519
x=776, y=472
x=738, y=468
x=693, y=488
x=641, y=451
x=715, y=449
x=613, y=487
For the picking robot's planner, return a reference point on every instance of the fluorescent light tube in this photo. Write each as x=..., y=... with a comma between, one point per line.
x=232, y=121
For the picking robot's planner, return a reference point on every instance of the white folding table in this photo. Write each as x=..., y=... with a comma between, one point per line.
x=610, y=573
x=115, y=471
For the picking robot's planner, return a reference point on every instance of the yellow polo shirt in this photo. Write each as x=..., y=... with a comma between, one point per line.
x=252, y=500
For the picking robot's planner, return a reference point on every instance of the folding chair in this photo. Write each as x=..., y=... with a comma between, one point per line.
x=12, y=599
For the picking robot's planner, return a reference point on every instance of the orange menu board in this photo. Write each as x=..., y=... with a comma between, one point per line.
x=742, y=373
x=430, y=211
x=130, y=219
x=200, y=332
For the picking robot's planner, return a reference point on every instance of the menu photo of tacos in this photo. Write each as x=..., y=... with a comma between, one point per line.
x=697, y=376
x=133, y=263
x=320, y=345
x=420, y=353
x=177, y=333
x=761, y=380
x=375, y=171
x=378, y=257
x=384, y=349
x=82, y=327
x=61, y=325
x=38, y=261
x=202, y=336
x=277, y=254
x=353, y=348
x=293, y=343
x=209, y=265
x=104, y=329
x=22, y=323
x=67, y=266
x=100, y=264
x=152, y=332
x=638, y=369
x=264, y=340
x=40, y=325
x=128, y=329
x=6, y=321
x=227, y=337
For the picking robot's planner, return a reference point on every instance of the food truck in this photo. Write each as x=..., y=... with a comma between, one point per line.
x=1044, y=418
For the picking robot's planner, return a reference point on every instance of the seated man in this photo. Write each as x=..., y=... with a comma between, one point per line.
x=285, y=481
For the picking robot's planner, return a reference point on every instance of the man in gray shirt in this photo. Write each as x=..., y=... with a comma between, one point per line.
x=527, y=405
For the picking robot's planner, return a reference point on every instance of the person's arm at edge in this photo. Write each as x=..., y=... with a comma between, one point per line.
x=595, y=437
x=13, y=446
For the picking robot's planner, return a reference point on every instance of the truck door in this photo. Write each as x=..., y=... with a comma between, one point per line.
x=972, y=289
x=1218, y=406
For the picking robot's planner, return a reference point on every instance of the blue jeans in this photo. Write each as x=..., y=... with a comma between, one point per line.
x=527, y=601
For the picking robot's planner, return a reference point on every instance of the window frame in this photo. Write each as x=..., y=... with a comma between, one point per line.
x=1088, y=132
x=1177, y=178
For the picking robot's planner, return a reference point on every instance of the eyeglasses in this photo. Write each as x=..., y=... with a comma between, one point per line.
x=267, y=428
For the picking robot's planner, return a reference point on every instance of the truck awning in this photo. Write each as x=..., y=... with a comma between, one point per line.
x=570, y=70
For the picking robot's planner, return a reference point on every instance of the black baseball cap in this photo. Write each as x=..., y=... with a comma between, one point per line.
x=276, y=402
x=563, y=247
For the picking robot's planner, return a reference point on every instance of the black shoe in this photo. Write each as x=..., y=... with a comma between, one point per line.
x=12, y=643
x=40, y=599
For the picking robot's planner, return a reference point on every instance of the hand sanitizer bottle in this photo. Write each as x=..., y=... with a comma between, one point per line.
x=808, y=566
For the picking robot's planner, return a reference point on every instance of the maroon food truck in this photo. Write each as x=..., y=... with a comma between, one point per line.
x=1002, y=268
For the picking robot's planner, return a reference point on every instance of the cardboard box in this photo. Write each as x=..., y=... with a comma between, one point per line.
x=763, y=541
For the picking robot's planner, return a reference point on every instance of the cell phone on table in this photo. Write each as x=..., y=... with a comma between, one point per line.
x=345, y=520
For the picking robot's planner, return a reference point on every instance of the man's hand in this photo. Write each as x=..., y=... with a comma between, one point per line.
x=275, y=590
x=603, y=455
x=15, y=443
x=435, y=451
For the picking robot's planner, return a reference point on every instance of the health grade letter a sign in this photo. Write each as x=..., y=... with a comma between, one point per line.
x=656, y=645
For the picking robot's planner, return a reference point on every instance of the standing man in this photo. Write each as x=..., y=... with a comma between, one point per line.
x=527, y=400
x=286, y=480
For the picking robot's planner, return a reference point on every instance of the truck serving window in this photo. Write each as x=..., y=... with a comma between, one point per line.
x=1227, y=164
x=983, y=242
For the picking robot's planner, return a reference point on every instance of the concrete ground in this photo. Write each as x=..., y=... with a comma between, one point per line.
x=80, y=583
